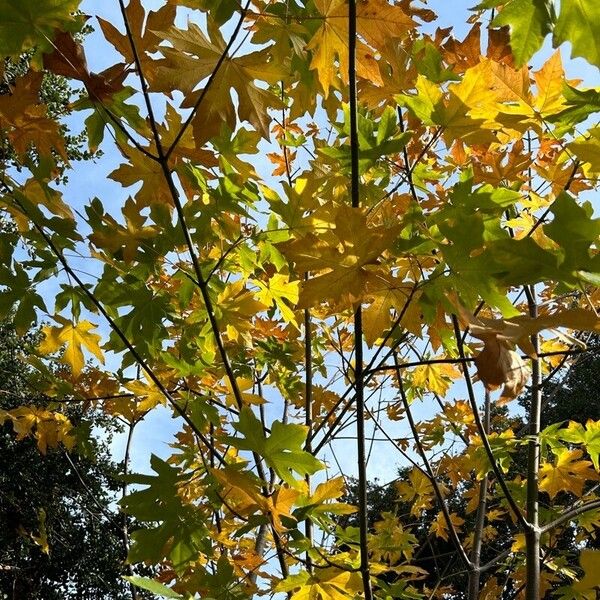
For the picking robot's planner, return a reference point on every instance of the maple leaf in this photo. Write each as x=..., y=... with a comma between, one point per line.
x=349, y=262
x=147, y=394
x=323, y=401
x=418, y=490
x=440, y=526
x=73, y=336
x=588, y=149
x=503, y=445
x=144, y=26
x=280, y=506
x=470, y=110
x=435, y=378
x=157, y=588
x=282, y=449
x=24, y=93
x=26, y=121
x=282, y=162
x=42, y=538
x=590, y=563
x=518, y=330
x=49, y=428
x=390, y=540
x=377, y=22
x=317, y=505
x=386, y=293
x=577, y=23
x=25, y=24
x=498, y=365
x=569, y=474
x=327, y=584
x=140, y=167
x=126, y=239
x=186, y=147
x=193, y=57
x=68, y=59
x=237, y=307
x=39, y=193
x=278, y=289
x=529, y=22
x=588, y=436
x=550, y=80
x=240, y=489
x=248, y=398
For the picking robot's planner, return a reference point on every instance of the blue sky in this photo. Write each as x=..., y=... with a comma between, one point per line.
x=91, y=179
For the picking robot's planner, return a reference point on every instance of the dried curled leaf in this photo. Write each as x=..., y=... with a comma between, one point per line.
x=518, y=330
x=498, y=365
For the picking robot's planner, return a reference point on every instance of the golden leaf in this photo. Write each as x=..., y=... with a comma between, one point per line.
x=73, y=336
x=568, y=474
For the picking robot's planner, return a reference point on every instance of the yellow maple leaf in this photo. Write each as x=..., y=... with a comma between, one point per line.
x=328, y=490
x=590, y=563
x=329, y=46
x=280, y=505
x=330, y=583
x=237, y=307
x=390, y=540
x=440, y=526
x=72, y=336
x=472, y=107
x=149, y=395
x=248, y=397
x=418, y=489
x=279, y=290
x=48, y=428
x=550, y=81
x=345, y=258
x=435, y=378
x=387, y=293
x=568, y=474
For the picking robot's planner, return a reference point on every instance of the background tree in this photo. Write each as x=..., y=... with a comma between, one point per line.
x=61, y=535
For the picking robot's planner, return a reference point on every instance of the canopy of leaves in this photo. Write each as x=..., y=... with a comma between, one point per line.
x=431, y=209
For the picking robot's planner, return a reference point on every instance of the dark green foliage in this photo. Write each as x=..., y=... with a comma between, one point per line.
x=76, y=492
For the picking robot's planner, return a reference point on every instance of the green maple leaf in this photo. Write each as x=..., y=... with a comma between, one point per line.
x=589, y=436
x=529, y=21
x=576, y=232
x=180, y=533
x=28, y=23
x=579, y=23
x=282, y=449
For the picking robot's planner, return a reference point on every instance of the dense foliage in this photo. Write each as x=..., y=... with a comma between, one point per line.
x=426, y=237
x=60, y=533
